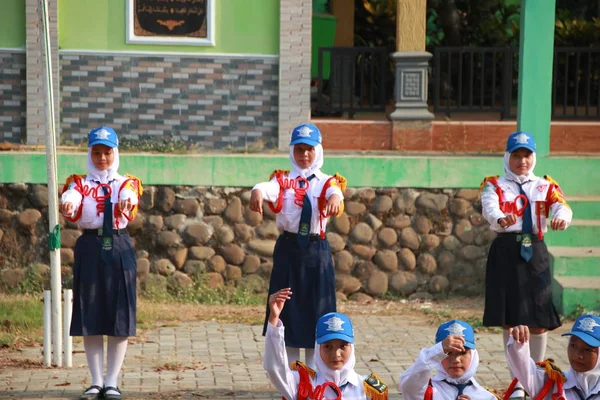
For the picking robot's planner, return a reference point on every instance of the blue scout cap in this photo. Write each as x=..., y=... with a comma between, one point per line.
x=103, y=135
x=519, y=140
x=458, y=328
x=587, y=328
x=306, y=133
x=334, y=326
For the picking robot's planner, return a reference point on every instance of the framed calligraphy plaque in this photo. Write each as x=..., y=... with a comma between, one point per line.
x=174, y=22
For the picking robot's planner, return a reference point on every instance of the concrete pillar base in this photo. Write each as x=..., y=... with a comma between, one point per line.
x=410, y=92
x=411, y=135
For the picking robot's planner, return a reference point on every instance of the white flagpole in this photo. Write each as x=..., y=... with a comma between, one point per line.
x=51, y=166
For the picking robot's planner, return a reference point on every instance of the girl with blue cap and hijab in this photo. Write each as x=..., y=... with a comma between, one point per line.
x=101, y=202
x=580, y=382
x=518, y=281
x=455, y=360
x=304, y=199
x=334, y=377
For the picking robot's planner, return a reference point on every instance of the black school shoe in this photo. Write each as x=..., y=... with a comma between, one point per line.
x=92, y=396
x=108, y=396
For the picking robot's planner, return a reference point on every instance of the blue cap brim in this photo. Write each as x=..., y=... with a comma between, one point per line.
x=104, y=142
x=331, y=336
x=470, y=345
x=307, y=141
x=518, y=146
x=592, y=341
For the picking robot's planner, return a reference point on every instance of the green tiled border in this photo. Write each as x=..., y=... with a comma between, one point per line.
x=577, y=175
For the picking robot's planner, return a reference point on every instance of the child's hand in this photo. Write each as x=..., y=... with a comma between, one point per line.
x=453, y=343
x=558, y=224
x=507, y=221
x=519, y=333
x=463, y=397
x=333, y=205
x=256, y=201
x=66, y=208
x=125, y=205
x=276, y=302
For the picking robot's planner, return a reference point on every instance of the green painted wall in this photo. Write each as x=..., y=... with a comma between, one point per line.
x=241, y=26
x=246, y=170
x=12, y=23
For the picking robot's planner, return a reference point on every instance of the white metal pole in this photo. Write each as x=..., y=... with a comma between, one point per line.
x=47, y=328
x=55, y=280
x=67, y=339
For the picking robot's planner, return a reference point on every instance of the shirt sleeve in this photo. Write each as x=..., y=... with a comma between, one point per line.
x=269, y=190
x=128, y=194
x=276, y=363
x=523, y=367
x=490, y=206
x=562, y=211
x=414, y=381
x=74, y=197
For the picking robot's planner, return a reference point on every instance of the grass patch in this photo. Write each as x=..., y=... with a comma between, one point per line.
x=21, y=321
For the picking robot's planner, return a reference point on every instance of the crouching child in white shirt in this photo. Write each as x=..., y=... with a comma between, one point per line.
x=455, y=359
x=335, y=377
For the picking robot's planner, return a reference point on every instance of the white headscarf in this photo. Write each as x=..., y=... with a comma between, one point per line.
x=339, y=377
x=587, y=381
x=469, y=373
x=518, y=178
x=103, y=176
x=315, y=166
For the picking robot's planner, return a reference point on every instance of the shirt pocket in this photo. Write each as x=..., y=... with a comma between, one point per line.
x=289, y=203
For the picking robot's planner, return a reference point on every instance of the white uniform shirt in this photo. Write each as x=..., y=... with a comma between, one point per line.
x=533, y=378
x=288, y=218
x=89, y=214
x=414, y=381
x=535, y=190
x=286, y=381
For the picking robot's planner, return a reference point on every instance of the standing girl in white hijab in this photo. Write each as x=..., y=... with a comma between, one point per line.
x=303, y=199
x=582, y=379
x=518, y=281
x=101, y=202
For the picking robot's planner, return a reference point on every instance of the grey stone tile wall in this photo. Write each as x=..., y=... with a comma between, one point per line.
x=215, y=102
x=12, y=96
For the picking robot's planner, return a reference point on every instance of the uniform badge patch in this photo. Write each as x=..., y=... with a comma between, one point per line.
x=376, y=383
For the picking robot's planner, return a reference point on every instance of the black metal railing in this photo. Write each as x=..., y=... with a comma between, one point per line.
x=576, y=83
x=353, y=79
x=485, y=79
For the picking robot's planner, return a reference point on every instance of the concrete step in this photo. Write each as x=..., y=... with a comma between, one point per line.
x=575, y=261
x=574, y=295
x=581, y=232
x=585, y=207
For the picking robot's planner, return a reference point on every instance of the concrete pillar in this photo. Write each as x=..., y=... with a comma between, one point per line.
x=536, y=55
x=411, y=118
x=295, y=27
x=35, y=69
x=343, y=10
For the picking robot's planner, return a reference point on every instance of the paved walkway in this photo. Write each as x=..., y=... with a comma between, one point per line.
x=224, y=361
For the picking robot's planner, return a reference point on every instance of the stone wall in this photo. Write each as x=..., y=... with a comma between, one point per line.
x=409, y=242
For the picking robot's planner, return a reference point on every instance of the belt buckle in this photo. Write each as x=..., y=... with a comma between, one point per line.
x=519, y=237
x=100, y=231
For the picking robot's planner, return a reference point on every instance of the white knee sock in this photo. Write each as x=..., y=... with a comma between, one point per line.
x=94, y=354
x=537, y=344
x=518, y=392
x=309, y=357
x=293, y=354
x=117, y=347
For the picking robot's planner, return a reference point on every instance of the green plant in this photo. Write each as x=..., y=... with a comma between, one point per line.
x=435, y=33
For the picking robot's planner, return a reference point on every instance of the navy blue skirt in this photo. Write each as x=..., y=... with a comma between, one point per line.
x=310, y=275
x=104, y=295
x=519, y=292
